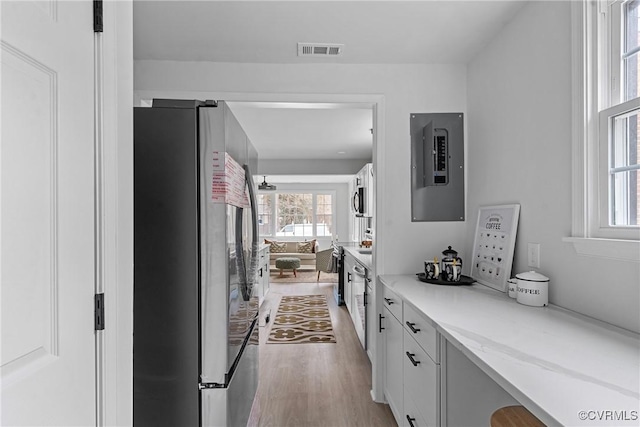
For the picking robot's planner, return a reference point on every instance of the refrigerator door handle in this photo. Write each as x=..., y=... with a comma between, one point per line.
x=247, y=275
x=245, y=287
x=253, y=262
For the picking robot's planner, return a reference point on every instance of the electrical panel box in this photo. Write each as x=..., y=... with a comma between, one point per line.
x=437, y=167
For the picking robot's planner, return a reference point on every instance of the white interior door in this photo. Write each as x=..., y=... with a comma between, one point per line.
x=47, y=214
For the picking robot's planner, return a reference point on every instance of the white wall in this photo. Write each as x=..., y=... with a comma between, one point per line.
x=519, y=150
x=406, y=89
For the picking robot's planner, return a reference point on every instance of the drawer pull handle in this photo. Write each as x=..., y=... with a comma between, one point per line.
x=411, y=326
x=380, y=328
x=411, y=420
x=260, y=272
x=388, y=301
x=414, y=361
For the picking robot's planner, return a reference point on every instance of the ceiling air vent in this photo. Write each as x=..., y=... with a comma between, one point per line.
x=319, y=49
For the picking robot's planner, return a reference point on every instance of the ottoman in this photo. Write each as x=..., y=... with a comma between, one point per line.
x=288, y=263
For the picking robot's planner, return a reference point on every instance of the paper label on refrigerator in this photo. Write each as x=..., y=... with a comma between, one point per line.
x=228, y=181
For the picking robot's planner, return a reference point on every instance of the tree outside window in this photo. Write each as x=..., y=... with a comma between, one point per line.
x=264, y=215
x=324, y=215
x=304, y=215
x=295, y=215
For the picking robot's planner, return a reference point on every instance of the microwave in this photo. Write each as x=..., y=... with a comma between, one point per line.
x=359, y=203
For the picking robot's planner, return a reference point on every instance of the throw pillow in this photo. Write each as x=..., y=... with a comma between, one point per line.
x=276, y=247
x=313, y=245
x=304, y=248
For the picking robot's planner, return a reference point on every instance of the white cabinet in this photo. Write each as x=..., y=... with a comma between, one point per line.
x=354, y=295
x=414, y=420
x=366, y=179
x=412, y=363
x=370, y=311
x=363, y=199
x=349, y=263
x=421, y=383
x=393, y=337
x=262, y=273
x=358, y=290
x=421, y=369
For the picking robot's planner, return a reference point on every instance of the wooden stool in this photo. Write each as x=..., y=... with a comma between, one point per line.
x=514, y=416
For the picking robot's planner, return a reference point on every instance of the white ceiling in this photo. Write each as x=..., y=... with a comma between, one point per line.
x=301, y=131
x=389, y=32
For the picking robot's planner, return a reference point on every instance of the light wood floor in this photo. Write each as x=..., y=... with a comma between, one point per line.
x=315, y=384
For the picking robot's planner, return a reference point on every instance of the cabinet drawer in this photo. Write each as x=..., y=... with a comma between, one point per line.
x=392, y=302
x=421, y=380
x=412, y=416
x=422, y=331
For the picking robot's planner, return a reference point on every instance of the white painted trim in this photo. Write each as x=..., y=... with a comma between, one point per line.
x=379, y=248
x=621, y=250
x=579, y=95
x=100, y=228
x=118, y=212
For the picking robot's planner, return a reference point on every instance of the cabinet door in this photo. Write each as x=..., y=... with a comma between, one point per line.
x=393, y=387
x=371, y=321
x=357, y=312
x=411, y=416
x=262, y=274
x=421, y=381
x=349, y=262
x=266, y=271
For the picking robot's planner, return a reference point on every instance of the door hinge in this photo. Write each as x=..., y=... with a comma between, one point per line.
x=97, y=16
x=98, y=312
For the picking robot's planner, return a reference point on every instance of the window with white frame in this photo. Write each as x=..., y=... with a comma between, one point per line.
x=296, y=214
x=618, y=115
x=606, y=122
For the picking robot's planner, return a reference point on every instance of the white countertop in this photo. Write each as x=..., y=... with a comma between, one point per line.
x=364, y=259
x=553, y=361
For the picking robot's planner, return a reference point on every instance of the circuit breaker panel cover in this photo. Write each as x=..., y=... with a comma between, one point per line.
x=437, y=167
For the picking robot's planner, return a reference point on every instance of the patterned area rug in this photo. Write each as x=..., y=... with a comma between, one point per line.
x=302, y=319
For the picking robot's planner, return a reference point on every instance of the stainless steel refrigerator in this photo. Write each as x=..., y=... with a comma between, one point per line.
x=195, y=343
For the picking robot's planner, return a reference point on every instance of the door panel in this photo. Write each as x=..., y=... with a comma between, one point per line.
x=47, y=214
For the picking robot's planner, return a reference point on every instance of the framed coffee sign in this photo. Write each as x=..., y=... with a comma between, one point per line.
x=494, y=245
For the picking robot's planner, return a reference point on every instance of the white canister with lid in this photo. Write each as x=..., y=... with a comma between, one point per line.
x=513, y=287
x=533, y=289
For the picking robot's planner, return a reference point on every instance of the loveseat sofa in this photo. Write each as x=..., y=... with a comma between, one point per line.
x=304, y=250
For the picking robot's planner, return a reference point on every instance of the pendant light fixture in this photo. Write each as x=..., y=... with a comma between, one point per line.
x=266, y=186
